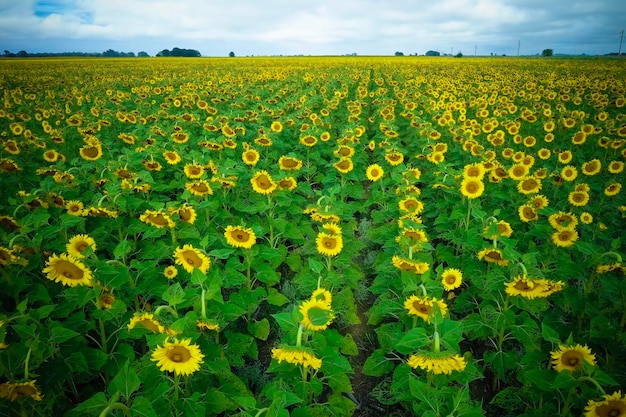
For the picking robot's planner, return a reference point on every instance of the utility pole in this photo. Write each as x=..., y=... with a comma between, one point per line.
x=621, y=37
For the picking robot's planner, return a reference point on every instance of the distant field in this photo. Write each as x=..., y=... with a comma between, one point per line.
x=312, y=236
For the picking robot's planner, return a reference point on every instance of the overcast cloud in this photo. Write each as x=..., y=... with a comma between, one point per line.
x=322, y=27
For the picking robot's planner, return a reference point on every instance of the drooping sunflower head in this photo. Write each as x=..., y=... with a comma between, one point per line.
x=199, y=188
x=78, y=244
x=410, y=265
x=437, y=362
x=68, y=270
x=189, y=258
x=180, y=357
x=16, y=390
x=240, y=237
x=493, y=255
x=158, y=219
x=297, y=355
x=571, y=358
x=146, y=320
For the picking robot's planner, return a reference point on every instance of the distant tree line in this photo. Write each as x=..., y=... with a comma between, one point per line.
x=107, y=53
x=180, y=52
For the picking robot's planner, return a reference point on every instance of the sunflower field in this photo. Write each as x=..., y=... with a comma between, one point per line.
x=303, y=237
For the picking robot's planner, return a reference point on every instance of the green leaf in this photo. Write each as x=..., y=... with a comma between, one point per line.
x=260, y=329
x=549, y=334
x=125, y=382
x=60, y=334
x=174, y=294
x=197, y=277
x=93, y=406
x=315, y=265
x=414, y=340
x=122, y=249
x=275, y=298
x=377, y=364
x=142, y=407
x=541, y=378
x=285, y=321
x=348, y=345
x=221, y=253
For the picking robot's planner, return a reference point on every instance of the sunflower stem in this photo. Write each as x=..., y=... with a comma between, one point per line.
x=103, y=336
x=299, y=335
x=203, y=303
x=115, y=406
x=436, y=342
x=169, y=309
x=176, y=386
x=594, y=382
x=469, y=211
x=26, y=363
x=261, y=411
x=329, y=263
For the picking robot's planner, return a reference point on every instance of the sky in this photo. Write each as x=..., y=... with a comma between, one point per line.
x=321, y=27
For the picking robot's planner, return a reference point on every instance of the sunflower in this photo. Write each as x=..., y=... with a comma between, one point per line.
x=411, y=205
x=410, y=265
x=539, y=202
x=564, y=238
x=493, y=255
x=77, y=245
x=374, y=172
x=586, y=217
x=612, y=189
x=476, y=171
x=527, y=213
x=288, y=183
x=187, y=214
x=329, y=245
x=11, y=147
x=8, y=223
x=501, y=228
x=16, y=390
x=414, y=237
x=437, y=362
x=578, y=198
x=525, y=287
x=529, y=185
x=67, y=270
x=565, y=157
x=592, y=167
x=563, y=221
x=308, y=140
x=297, y=355
x=276, y=127
x=518, y=172
x=146, y=320
x=344, y=165
x=613, y=405
x=472, y=188
x=170, y=272
x=91, y=153
x=287, y=163
x=322, y=294
x=579, y=138
x=317, y=314
x=180, y=357
x=250, y=157
x=207, y=325
x=199, y=188
x=9, y=165
x=240, y=237
x=194, y=170
x=571, y=358
x=263, y=141
x=544, y=153
x=158, y=219
x=451, y=279
x=423, y=307
x=189, y=258
x=262, y=183
x=616, y=167
x=394, y=158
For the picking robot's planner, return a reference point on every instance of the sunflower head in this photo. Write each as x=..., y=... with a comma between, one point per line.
x=329, y=244
x=425, y=307
x=613, y=405
x=68, y=270
x=189, y=258
x=451, y=279
x=240, y=237
x=262, y=183
x=571, y=358
x=180, y=357
x=317, y=313
x=374, y=172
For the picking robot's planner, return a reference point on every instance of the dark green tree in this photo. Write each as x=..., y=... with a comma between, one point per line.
x=547, y=52
x=231, y=54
